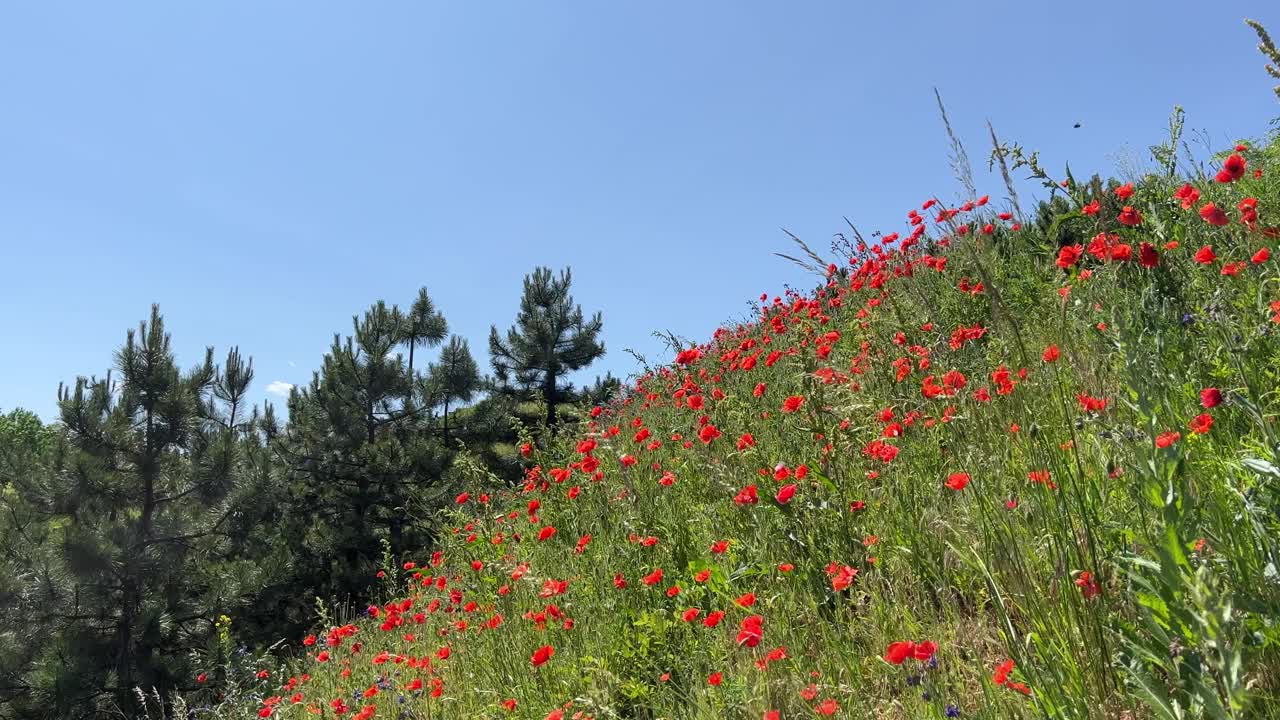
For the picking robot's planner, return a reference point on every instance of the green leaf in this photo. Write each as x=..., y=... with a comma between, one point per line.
x=1260, y=466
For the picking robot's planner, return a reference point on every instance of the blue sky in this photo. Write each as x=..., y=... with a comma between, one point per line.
x=266, y=170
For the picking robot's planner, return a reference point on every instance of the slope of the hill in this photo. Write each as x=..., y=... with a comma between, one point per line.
x=984, y=471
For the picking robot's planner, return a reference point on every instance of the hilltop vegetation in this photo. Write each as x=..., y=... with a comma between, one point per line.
x=162, y=504
x=989, y=467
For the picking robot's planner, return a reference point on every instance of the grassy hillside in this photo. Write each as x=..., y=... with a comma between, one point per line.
x=983, y=470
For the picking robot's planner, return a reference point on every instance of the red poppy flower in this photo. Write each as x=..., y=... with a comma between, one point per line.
x=751, y=631
x=1129, y=216
x=1213, y=215
x=688, y=357
x=1210, y=397
x=1205, y=255
x=843, y=577
x=1069, y=255
x=1042, y=477
x=1050, y=354
x=925, y=650
x=957, y=481
x=542, y=655
x=827, y=707
x=747, y=496
x=898, y=652
x=1088, y=585
x=1148, y=256
x=1091, y=404
x=1232, y=169
x=785, y=493
x=1188, y=195
x=708, y=433
x=1201, y=423
x=792, y=404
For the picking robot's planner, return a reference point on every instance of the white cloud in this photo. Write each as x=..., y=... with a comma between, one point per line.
x=279, y=387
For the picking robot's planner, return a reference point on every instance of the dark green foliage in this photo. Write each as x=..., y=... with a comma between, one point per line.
x=550, y=339
x=365, y=451
x=423, y=326
x=163, y=500
x=455, y=378
x=487, y=426
x=117, y=533
x=601, y=391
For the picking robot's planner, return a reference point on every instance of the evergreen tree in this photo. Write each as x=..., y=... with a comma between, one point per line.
x=423, y=326
x=362, y=460
x=486, y=427
x=454, y=377
x=551, y=338
x=601, y=391
x=124, y=573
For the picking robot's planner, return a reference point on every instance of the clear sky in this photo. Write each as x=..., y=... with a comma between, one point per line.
x=264, y=170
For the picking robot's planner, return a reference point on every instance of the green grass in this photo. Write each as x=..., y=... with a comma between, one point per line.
x=1135, y=581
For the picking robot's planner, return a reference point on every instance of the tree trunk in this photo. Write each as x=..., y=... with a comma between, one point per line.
x=549, y=397
x=446, y=420
x=132, y=591
x=397, y=537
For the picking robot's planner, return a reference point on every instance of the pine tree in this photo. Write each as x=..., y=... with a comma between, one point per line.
x=601, y=391
x=136, y=499
x=423, y=326
x=454, y=377
x=551, y=338
x=361, y=458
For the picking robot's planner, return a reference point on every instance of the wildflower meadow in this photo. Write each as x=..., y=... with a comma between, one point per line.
x=992, y=465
